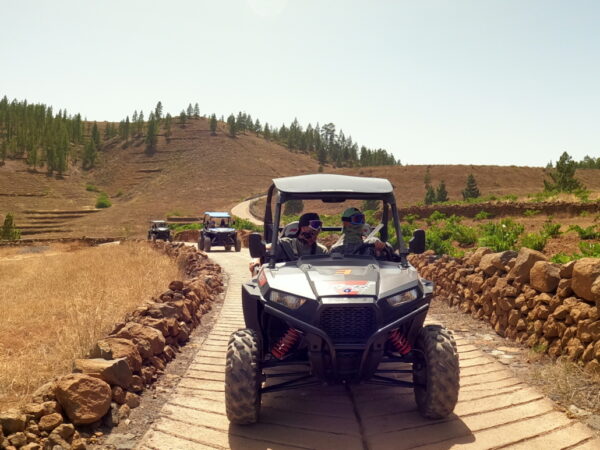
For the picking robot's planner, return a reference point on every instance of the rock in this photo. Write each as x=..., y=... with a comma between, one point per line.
x=85, y=399
x=162, y=310
x=588, y=330
x=475, y=258
x=561, y=312
x=113, y=371
x=118, y=395
x=121, y=441
x=545, y=276
x=580, y=311
x=124, y=411
x=487, y=264
x=586, y=272
x=566, y=270
x=176, y=285
x=61, y=436
x=526, y=258
x=12, y=421
x=18, y=439
x=132, y=400
x=50, y=422
x=593, y=367
x=46, y=392
x=160, y=324
x=564, y=288
x=112, y=348
x=32, y=446
x=158, y=363
x=137, y=384
x=150, y=341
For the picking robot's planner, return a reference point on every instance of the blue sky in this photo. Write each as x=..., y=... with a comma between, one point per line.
x=435, y=82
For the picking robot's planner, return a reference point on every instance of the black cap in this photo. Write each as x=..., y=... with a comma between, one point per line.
x=306, y=218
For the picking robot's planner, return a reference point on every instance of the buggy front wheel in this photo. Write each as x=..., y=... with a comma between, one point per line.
x=243, y=377
x=238, y=245
x=436, y=373
x=207, y=244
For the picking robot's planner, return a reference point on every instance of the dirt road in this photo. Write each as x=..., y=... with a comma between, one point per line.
x=495, y=410
x=243, y=210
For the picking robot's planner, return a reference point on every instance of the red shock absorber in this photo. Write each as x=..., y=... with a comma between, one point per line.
x=287, y=341
x=400, y=342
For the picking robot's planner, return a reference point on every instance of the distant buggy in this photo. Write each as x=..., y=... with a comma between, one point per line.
x=159, y=230
x=218, y=230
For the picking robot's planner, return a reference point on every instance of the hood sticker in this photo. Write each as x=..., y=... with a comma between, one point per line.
x=350, y=287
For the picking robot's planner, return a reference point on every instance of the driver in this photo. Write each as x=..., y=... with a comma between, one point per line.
x=352, y=241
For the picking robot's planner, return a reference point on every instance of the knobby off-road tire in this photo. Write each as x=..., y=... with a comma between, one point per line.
x=201, y=243
x=243, y=377
x=238, y=245
x=207, y=244
x=438, y=372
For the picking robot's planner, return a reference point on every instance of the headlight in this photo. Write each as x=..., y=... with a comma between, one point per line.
x=287, y=300
x=402, y=297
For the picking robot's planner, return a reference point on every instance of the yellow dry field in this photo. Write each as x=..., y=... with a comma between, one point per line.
x=55, y=306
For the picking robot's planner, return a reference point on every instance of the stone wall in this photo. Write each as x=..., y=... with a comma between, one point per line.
x=551, y=307
x=105, y=386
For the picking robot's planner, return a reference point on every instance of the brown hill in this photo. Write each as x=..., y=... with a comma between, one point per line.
x=195, y=171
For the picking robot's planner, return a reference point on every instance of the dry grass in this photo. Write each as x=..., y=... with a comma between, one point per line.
x=565, y=382
x=54, y=308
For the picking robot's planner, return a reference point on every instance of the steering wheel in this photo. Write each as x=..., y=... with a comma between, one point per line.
x=389, y=253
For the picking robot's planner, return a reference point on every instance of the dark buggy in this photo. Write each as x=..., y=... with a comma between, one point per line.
x=159, y=229
x=218, y=230
x=345, y=318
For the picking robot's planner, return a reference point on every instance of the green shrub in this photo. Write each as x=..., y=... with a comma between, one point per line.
x=561, y=258
x=500, y=236
x=91, y=188
x=590, y=249
x=510, y=198
x=176, y=228
x=551, y=229
x=245, y=224
x=103, y=201
x=586, y=233
x=9, y=232
x=434, y=241
x=410, y=218
x=435, y=216
x=482, y=215
x=583, y=195
x=464, y=235
x=534, y=241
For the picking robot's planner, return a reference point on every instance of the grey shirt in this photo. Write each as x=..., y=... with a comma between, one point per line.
x=290, y=249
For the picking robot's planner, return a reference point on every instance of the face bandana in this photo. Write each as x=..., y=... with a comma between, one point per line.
x=353, y=234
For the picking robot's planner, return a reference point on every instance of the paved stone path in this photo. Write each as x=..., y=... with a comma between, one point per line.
x=495, y=410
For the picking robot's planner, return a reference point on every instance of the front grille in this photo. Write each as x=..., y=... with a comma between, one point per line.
x=348, y=324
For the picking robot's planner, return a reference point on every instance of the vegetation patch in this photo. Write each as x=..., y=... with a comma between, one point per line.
x=103, y=201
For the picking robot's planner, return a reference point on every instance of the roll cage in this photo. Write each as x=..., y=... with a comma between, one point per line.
x=331, y=188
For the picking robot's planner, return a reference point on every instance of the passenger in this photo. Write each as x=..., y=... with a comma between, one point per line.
x=223, y=224
x=302, y=244
x=305, y=241
x=353, y=240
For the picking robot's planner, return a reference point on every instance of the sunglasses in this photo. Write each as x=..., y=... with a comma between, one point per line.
x=355, y=219
x=315, y=224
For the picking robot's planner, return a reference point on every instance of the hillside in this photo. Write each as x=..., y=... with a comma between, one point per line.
x=191, y=173
x=195, y=171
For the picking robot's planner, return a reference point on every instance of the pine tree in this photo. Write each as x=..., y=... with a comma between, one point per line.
x=89, y=155
x=158, y=111
x=151, y=135
x=168, y=122
x=430, y=195
x=190, y=111
x=140, y=123
x=257, y=127
x=441, y=194
x=563, y=176
x=126, y=129
x=232, y=125
x=427, y=178
x=213, y=124
x=96, y=135
x=471, y=190
x=182, y=118
x=196, y=111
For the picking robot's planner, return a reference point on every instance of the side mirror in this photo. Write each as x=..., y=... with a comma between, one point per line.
x=417, y=243
x=256, y=245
